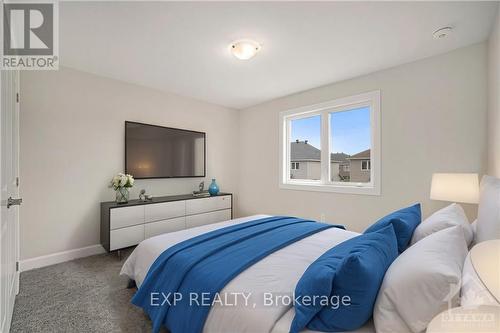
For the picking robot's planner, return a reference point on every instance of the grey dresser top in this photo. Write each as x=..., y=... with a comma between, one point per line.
x=112, y=204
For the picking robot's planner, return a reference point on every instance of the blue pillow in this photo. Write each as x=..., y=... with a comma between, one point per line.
x=349, y=276
x=404, y=222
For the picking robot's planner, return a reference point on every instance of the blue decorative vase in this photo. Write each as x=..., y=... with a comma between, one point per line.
x=213, y=189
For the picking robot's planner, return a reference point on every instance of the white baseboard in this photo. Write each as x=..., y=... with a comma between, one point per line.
x=56, y=258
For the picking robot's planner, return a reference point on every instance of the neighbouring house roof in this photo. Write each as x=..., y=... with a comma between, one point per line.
x=339, y=157
x=303, y=151
x=364, y=155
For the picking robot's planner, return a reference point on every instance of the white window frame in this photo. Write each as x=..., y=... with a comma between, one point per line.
x=370, y=99
x=296, y=164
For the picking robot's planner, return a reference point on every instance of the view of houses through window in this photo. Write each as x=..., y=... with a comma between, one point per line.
x=350, y=142
x=304, y=150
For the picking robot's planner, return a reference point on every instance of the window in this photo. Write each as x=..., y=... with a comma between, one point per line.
x=337, y=144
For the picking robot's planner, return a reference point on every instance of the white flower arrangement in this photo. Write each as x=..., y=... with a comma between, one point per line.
x=121, y=180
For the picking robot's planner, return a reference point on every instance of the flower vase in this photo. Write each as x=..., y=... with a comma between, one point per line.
x=122, y=194
x=213, y=189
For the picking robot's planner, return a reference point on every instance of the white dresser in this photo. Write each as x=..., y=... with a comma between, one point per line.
x=124, y=225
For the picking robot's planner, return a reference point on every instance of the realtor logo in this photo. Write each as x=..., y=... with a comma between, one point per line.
x=30, y=39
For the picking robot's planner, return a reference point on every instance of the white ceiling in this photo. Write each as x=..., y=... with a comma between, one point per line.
x=183, y=47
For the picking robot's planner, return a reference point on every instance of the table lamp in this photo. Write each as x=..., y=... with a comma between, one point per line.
x=455, y=187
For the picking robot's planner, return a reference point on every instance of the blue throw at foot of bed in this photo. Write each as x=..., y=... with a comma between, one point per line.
x=207, y=263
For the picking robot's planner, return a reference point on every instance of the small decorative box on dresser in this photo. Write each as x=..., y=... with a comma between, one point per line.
x=124, y=225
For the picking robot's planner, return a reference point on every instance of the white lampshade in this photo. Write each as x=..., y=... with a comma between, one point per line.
x=455, y=187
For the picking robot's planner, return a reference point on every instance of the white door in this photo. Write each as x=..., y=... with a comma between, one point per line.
x=9, y=194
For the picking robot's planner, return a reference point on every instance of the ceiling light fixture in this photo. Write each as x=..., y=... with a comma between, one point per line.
x=442, y=33
x=244, y=49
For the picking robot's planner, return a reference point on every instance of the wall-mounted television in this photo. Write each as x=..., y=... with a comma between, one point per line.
x=153, y=151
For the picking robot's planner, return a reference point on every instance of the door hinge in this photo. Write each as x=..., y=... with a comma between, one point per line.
x=17, y=97
x=17, y=181
x=17, y=266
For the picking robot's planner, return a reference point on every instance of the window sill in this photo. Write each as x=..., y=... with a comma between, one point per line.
x=348, y=189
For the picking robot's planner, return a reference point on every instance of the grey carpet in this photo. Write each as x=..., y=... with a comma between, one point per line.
x=83, y=295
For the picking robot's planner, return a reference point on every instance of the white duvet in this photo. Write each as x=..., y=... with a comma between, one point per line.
x=278, y=274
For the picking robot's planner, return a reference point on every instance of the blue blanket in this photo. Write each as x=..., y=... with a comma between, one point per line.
x=207, y=263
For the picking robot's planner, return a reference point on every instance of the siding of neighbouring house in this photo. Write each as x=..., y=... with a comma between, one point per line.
x=299, y=173
x=357, y=174
x=312, y=170
x=306, y=170
x=335, y=171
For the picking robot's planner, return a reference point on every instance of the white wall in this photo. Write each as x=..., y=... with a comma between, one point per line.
x=494, y=100
x=72, y=143
x=433, y=120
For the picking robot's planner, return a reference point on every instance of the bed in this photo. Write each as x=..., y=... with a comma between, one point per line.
x=274, y=273
x=441, y=241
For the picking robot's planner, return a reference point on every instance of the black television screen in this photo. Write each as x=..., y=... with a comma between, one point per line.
x=161, y=152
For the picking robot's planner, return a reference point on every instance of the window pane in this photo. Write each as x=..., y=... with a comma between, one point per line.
x=350, y=145
x=305, y=147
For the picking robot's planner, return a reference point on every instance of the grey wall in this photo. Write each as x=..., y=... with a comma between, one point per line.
x=357, y=174
x=494, y=100
x=433, y=120
x=72, y=143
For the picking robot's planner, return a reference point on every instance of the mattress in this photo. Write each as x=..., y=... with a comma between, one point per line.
x=267, y=285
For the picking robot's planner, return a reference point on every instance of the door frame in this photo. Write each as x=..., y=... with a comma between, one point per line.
x=18, y=164
x=15, y=137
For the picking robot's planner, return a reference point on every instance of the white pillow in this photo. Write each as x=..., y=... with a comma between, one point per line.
x=449, y=216
x=488, y=215
x=473, y=226
x=421, y=283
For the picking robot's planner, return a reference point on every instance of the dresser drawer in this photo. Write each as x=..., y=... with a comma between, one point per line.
x=125, y=237
x=197, y=206
x=126, y=216
x=207, y=218
x=165, y=210
x=161, y=227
